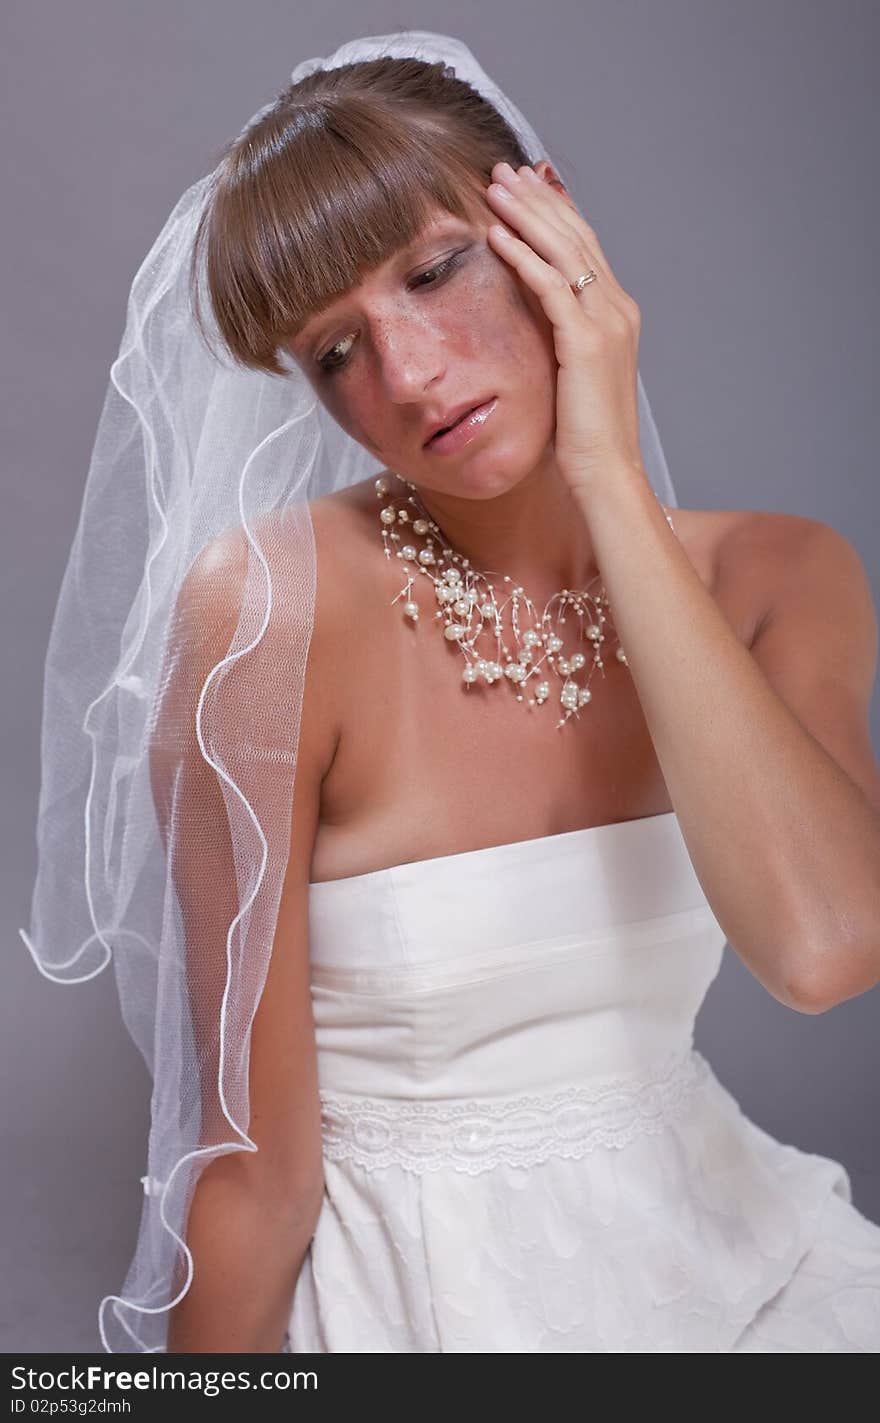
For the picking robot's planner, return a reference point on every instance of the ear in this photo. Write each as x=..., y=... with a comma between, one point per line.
x=547, y=173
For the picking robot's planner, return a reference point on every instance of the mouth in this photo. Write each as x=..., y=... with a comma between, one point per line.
x=463, y=429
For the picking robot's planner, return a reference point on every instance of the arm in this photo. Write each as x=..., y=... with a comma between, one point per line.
x=766, y=751
x=252, y=1214
x=766, y=757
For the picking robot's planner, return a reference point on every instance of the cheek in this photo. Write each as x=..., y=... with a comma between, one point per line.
x=355, y=409
x=491, y=318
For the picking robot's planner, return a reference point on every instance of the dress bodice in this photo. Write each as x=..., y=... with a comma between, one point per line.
x=522, y=1148
x=521, y=967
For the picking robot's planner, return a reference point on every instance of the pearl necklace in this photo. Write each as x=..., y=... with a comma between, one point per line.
x=467, y=603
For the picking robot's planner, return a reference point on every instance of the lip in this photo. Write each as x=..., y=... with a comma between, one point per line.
x=466, y=430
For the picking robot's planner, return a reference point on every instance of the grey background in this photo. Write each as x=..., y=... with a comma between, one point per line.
x=725, y=151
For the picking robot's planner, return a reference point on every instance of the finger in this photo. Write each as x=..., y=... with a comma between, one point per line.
x=553, y=199
x=556, y=209
x=543, y=194
x=556, y=245
x=544, y=278
x=548, y=199
x=524, y=191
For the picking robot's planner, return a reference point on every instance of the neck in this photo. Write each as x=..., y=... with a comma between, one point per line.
x=535, y=532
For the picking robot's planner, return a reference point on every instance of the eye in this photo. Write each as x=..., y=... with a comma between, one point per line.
x=433, y=277
x=327, y=363
x=437, y=273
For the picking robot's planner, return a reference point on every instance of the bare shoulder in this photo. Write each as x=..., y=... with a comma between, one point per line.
x=815, y=592
x=298, y=630
x=781, y=555
x=762, y=534
x=346, y=534
x=752, y=555
x=346, y=512
x=345, y=529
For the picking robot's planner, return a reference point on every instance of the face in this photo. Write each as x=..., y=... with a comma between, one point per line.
x=443, y=325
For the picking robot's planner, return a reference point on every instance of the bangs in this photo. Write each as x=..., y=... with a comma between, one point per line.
x=311, y=205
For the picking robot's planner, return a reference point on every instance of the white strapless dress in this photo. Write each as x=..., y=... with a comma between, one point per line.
x=523, y=1150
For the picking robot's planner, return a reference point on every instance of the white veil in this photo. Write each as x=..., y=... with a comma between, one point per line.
x=172, y=700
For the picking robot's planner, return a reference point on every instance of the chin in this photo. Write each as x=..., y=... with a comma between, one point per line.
x=486, y=473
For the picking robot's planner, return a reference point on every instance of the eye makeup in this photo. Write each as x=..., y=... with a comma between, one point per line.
x=428, y=279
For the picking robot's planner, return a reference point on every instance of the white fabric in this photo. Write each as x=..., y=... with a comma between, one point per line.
x=524, y=1152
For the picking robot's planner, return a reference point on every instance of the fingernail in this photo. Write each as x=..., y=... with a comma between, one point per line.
x=509, y=175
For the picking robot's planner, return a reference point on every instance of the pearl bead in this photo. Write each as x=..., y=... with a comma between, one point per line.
x=441, y=564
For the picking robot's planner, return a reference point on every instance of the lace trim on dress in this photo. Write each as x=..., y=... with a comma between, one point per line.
x=475, y=1136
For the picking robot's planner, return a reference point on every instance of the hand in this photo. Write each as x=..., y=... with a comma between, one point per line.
x=596, y=331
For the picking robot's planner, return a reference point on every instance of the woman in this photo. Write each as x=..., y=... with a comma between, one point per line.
x=472, y=1114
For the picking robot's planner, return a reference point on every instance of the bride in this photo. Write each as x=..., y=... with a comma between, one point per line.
x=557, y=745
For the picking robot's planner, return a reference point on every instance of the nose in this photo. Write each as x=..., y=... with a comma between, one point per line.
x=411, y=358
